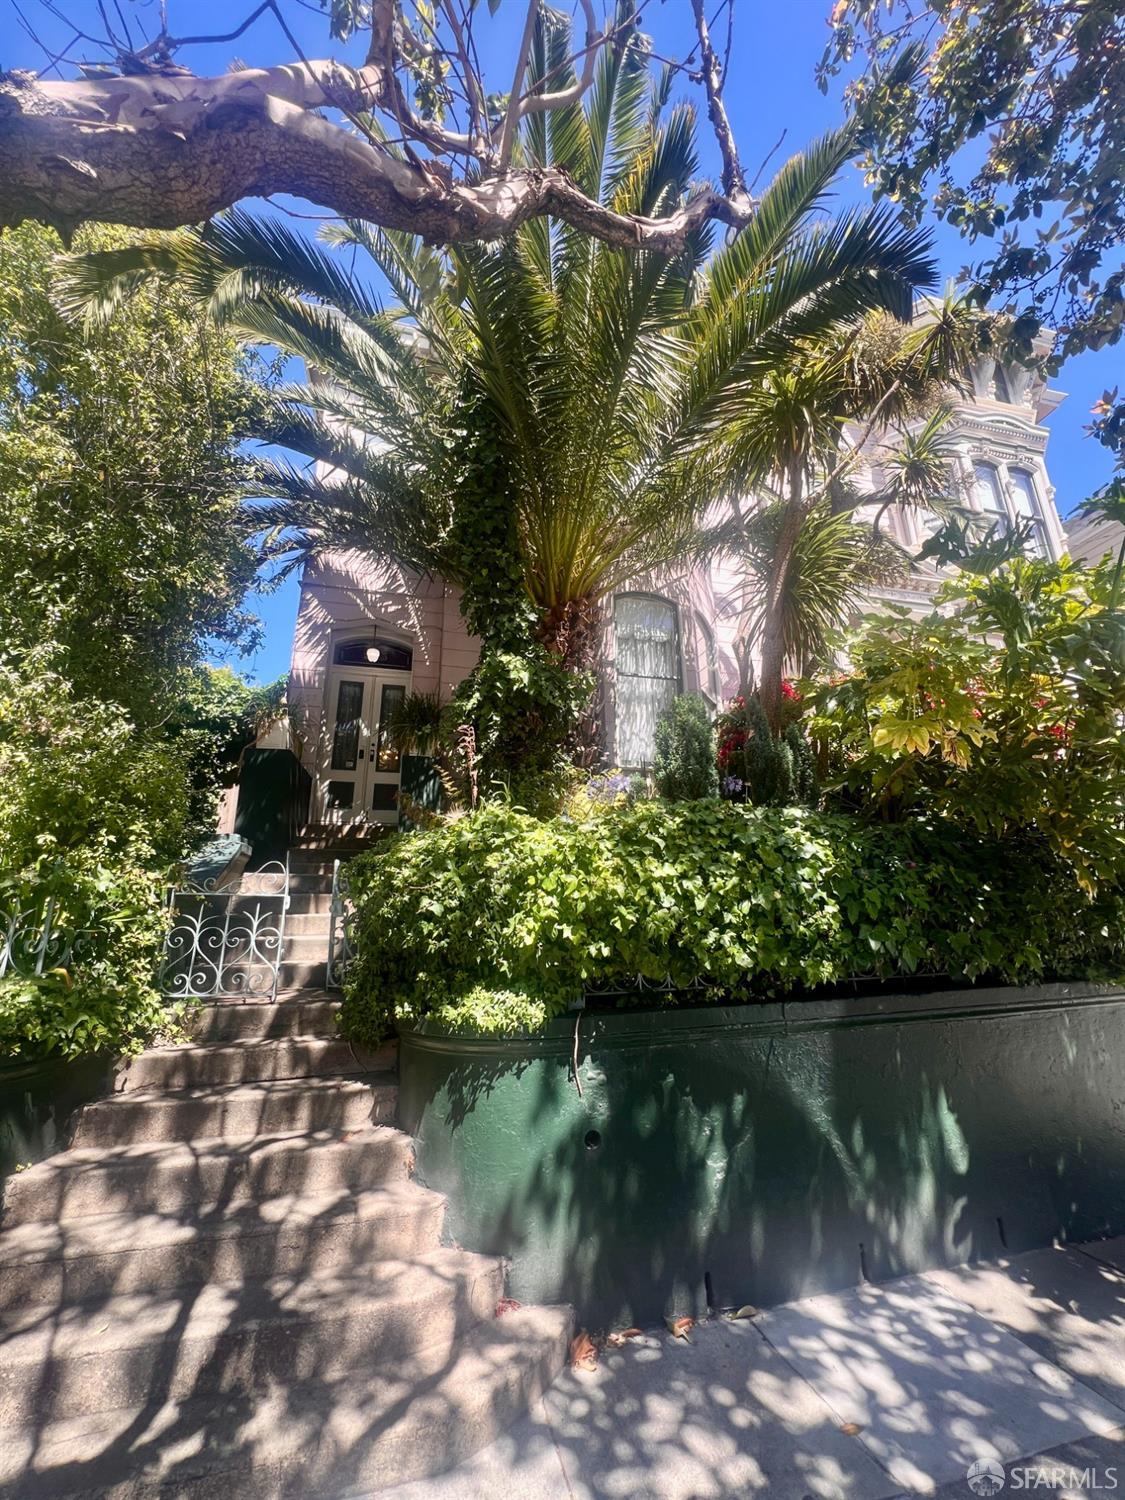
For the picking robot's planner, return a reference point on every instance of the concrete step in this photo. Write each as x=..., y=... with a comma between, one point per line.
x=300, y=974
x=237, y=1111
x=167, y=1177
x=309, y=903
x=201, y=1342
x=312, y=862
x=308, y=924
x=307, y=1442
x=335, y=835
x=249, y=1020
x=105, y=1254
x=250, y=1060
x=306, y=947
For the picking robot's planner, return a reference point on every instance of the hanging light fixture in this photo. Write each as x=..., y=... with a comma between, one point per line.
x=373, y=654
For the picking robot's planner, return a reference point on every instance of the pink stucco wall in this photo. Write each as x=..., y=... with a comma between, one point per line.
x=347, y=594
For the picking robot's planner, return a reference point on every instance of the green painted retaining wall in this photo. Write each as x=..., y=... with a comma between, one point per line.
x=38, y=1100
x=760, y=1153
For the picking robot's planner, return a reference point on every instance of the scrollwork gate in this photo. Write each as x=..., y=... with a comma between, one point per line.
x=227, y=942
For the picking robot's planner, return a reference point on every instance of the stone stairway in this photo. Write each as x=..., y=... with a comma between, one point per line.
x=230, y=1283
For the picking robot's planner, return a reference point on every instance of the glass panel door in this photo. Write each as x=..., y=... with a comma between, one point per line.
x=350, y=733
x=386, y=762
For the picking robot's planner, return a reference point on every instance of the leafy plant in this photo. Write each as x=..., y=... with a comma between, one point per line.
x=1004, y=118
x=415, y=727
x=757, y=766
x=684, y=761
x=750, y=902
x=98, y=990
x=1001, y=711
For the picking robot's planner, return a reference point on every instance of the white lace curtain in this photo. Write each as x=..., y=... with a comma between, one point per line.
x=647, y=667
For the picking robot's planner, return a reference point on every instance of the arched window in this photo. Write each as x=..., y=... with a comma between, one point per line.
x=647, y=670
x=375, y=651
x=1025, y=498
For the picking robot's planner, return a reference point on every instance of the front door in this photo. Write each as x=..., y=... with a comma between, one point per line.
x=361, y=769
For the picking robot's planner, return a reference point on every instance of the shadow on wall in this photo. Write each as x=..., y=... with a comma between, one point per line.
x=727, y=1156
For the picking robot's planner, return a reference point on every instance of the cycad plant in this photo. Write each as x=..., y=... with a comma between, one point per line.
x=541, y=419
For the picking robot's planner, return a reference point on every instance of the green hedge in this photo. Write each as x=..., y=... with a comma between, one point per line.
x=98, y=991
x=754, y=901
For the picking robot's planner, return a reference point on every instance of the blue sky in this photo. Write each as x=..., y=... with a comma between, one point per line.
x=771, y=89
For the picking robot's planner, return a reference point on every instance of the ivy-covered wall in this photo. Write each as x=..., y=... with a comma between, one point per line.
x=752, y=1155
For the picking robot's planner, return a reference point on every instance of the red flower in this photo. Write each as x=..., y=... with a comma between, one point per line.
x=790, y=692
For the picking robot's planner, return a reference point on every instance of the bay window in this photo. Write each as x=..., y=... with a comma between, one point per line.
x=990, y=496
x=1020, y=506
x=1025, y=498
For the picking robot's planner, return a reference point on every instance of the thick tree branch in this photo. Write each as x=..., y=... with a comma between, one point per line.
x=160, y=151
x=734, y=181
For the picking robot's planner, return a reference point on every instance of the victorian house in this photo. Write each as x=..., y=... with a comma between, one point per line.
x=368, y=633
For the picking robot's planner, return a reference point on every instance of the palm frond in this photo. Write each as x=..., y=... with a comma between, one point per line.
x=833, y=564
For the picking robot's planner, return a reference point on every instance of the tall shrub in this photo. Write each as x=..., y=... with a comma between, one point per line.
x=90, y=815
x=121, y=540
x=683, y=764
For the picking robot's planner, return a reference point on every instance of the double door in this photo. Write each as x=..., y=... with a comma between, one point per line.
x=362, y=770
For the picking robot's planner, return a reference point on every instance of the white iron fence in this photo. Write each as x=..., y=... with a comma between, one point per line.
x=339, y=934
x=33, y=940
x=227, y=941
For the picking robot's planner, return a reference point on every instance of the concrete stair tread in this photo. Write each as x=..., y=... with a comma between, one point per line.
x=102, y=1326
x=223, y=1022
x=311, y=1439
x=80, y=1159
x=247, y=1059
x=243, y=1044
x=266, y=1088
x=140, y=1233
x=349, y=1099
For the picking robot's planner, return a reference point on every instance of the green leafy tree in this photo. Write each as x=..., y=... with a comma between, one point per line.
x=1033, y=90
x=215, y=716
x=683, y=765
x=121, y=540
x=539, y=419
x=1001, y=710
x=89, y=814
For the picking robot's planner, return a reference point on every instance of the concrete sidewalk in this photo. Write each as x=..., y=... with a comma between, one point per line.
x=878, y=1392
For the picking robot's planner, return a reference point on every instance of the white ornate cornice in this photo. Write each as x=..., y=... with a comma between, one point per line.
x=997, y=436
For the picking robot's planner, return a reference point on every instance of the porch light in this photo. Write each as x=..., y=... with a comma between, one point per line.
x=373, y=654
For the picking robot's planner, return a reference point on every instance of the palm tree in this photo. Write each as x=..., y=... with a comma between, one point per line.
x=833, y=563
x=806, y=555
x=572, y=409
